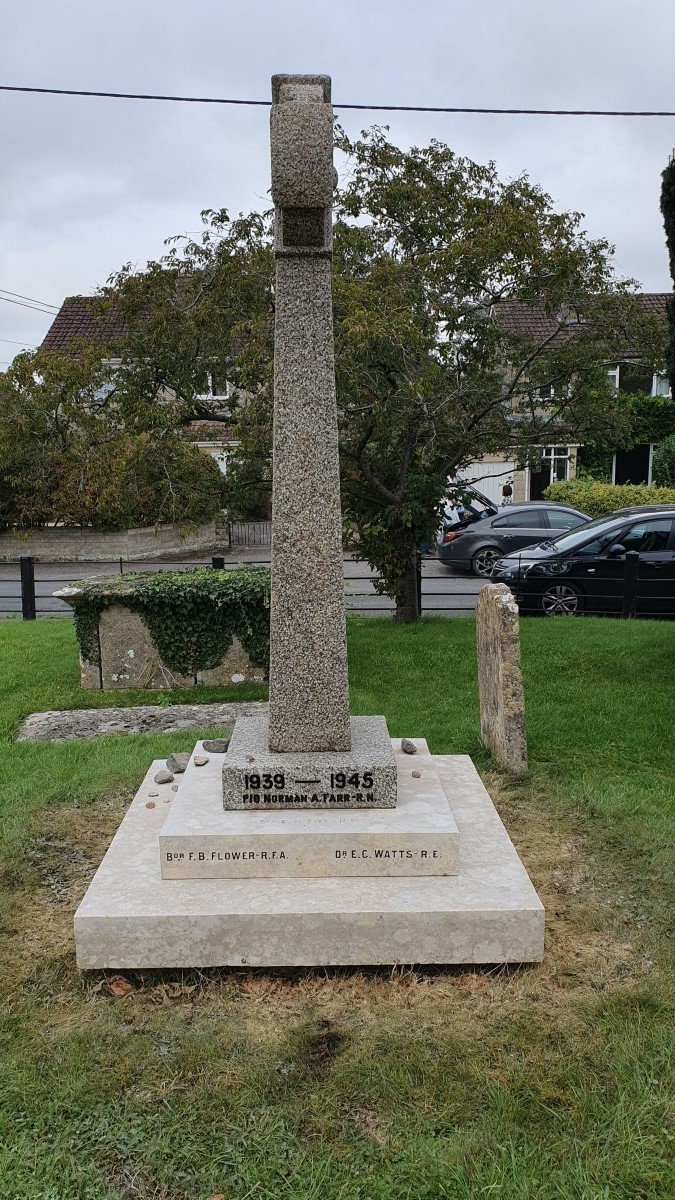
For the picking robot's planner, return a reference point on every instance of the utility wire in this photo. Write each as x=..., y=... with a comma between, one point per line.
x=511, y=112
x=20, y=296
x=11, y=342
x=33, y=307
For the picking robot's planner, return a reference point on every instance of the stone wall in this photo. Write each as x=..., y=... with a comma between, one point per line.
x=500, y=681
x=130, y=659
x=93, y=545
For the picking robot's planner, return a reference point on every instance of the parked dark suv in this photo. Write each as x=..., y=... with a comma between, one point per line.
x=477, y=540
x=585, y=570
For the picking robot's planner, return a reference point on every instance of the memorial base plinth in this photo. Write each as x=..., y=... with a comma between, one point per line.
x=255, y=777
x=200, y=840
x=488, y=913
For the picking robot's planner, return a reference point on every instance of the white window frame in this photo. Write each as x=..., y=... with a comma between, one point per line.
x=211, y=394
x=664, y=395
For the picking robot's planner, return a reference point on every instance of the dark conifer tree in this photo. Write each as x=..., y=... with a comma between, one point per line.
x=668, y=210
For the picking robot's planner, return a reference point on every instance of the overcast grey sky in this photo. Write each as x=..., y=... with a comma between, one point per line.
x=89, y=184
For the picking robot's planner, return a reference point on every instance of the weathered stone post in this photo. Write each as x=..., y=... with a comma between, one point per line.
x=500, y=682
x=310, y=753
x=309, y=698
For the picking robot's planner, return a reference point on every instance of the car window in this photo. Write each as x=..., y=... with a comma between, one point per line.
x=647, y=536
x=525, y=519
x=559, y=519
x=564, y=542
x=599, y=544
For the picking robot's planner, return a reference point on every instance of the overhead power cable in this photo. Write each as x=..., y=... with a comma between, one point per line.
x=33, y=307
x=12, y=342
x=20, y=296
x=431, y=108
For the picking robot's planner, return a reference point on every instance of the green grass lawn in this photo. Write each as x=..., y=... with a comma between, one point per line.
x=548, y=1082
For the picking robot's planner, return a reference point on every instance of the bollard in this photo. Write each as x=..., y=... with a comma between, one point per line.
x=27, y=587
x=218, y=562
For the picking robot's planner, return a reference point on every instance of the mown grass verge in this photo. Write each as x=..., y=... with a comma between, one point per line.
x=548, y=1082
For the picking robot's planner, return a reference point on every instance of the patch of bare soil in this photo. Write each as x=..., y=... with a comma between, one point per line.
x=586, y=948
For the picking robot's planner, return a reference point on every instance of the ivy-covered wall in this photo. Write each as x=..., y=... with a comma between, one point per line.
x=192, y=616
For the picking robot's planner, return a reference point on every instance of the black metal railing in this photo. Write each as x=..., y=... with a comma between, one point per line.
x=249, y=533
x=26, y=587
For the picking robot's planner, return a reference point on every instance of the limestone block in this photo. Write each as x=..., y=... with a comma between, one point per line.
x=201, y=841
x=490, y=913
x=500, y=681
x=129, y=657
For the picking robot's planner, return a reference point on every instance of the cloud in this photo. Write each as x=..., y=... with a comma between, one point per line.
x=89, y=184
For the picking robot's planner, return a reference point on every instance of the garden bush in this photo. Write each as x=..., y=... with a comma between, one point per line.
x=596, y=498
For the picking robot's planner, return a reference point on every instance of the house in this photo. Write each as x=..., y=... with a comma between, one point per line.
x=559, y=462
x=81, y=317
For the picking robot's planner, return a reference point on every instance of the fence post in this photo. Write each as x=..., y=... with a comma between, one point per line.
x=27, y=587
x=218, y=562
x=630, y=583
x=419, y=583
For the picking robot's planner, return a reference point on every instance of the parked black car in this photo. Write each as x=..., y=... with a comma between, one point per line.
x=585, y=570
x=480, y=538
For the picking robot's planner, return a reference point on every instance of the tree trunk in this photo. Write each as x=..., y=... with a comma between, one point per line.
x=407, y=595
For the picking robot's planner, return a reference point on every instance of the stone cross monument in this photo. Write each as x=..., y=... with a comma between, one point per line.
x=310, y=753
x=309, y=699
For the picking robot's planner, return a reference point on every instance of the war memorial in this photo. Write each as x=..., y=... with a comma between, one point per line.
x=315, y=839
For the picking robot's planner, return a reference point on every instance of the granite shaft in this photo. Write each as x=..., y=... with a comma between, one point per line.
x=309, y=699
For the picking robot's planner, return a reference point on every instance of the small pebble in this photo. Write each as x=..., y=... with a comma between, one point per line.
x=153, y=793
x=174, y=787
x=408, y=747
x=216, y=745
x=200, y=761
x=168, y=799
x=250, y=757
x=177, y=762
x=417, y=774
x=164, y=777
x=149, y=804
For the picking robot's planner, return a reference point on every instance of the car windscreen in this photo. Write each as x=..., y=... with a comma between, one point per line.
x=584, y=533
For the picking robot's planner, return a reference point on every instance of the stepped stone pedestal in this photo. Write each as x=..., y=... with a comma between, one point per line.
x=132, y=917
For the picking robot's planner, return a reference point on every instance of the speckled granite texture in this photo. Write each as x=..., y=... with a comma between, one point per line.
x=500, y=680
x=489, y=913
x=363, y=777
x=309, y=700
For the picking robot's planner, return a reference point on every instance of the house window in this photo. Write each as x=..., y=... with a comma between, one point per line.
x=613, y=376
x=554, y=466
x=214, y=387
x=557, y=459
x=661, y=386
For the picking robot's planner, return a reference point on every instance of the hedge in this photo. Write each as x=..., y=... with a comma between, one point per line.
x=596, y=499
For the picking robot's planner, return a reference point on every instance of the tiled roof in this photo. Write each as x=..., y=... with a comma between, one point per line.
x=530, y=320
x=80, y=316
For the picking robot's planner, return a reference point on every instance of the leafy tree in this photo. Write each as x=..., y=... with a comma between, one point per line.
x=428, y=245
x=668, y=210
x=77, y=448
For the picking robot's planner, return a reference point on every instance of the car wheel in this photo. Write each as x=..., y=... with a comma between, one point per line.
x=484, y=560
x=561, y=600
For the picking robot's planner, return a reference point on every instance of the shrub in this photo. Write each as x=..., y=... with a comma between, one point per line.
x=664, y=462
x=191, y=616
x=596, y=499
